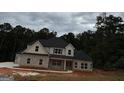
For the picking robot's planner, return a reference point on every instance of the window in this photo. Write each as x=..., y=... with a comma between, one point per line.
x=82, y=65
x=57, y=51
x=28, y=61
x=75, y=64
x=40, y=62
x=36, y=48
x=69, y=52
x=85, y=65
x=91, y=66
x=56, y=63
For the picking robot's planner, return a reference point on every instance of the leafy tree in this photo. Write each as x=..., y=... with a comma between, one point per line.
x=119, y=63
x=13, y=40
x=105, y=45
x=107, y=37
x=6, y=27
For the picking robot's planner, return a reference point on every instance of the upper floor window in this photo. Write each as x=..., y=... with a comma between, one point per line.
x=91, y=65
x=36, y=48
x=69, y=52
x=57, y=51
x=28, y=61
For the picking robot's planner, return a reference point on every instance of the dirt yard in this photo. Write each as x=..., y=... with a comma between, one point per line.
x=96, y=75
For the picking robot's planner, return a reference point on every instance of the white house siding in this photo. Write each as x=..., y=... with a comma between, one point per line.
x=47, y=49
x=51, y=49
x=17, y=58
x=34, y=60
x=64, y=50
x=89, y=65
x=31, y=48
x=69, y=47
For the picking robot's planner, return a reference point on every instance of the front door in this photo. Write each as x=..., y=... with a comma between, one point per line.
x=68, y=65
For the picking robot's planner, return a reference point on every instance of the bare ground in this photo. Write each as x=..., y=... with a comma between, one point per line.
x=96, y=75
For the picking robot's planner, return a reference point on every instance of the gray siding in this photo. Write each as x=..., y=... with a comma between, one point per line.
x=79, y=62
x=69, y=47
x=34, y=60
x=21, y=59
x=31, y=49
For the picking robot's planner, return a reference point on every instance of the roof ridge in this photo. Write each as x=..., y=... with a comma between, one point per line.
x=54, y=42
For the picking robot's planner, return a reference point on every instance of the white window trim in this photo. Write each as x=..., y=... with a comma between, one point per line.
x=28, y=60
x=69, y=52
x=58, y=51
x=41, y=62
x=36, y=48
x=76, y=65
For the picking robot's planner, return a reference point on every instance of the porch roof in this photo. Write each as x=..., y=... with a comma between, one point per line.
x=34, y=54
x=81, y=55
x=61, y=56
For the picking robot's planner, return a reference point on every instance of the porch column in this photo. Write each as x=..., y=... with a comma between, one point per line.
x=64, y=64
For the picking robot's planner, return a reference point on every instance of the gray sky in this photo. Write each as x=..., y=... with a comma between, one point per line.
x=61, y=22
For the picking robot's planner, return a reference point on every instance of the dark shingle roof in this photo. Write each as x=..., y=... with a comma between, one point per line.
x=60, y=43
x=54, y=42
x=80, y=55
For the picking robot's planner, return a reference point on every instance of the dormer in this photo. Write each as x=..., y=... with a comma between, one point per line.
x=36, y=48
x=55, y=46
x=69, y=50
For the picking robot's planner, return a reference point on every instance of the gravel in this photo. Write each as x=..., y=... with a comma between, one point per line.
x=8, y=64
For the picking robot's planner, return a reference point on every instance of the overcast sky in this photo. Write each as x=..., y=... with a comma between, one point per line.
x=61, y=22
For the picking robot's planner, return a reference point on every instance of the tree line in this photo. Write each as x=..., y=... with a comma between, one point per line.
x=15, y=39
x=105, y=45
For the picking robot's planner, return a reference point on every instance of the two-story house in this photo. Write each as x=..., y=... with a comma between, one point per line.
x=55, y=54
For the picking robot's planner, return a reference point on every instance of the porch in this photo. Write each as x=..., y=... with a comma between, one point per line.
x=60, y=64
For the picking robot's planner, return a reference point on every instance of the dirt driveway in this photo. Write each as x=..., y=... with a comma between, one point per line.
x=96, y=75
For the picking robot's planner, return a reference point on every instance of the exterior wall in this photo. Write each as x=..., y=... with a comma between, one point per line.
x=51, y=49
x=46, y=50
x=17, y=58
x=21, y=59
x=69, y=47
x=64, y=50
x=89, y=65
x=31, y=48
